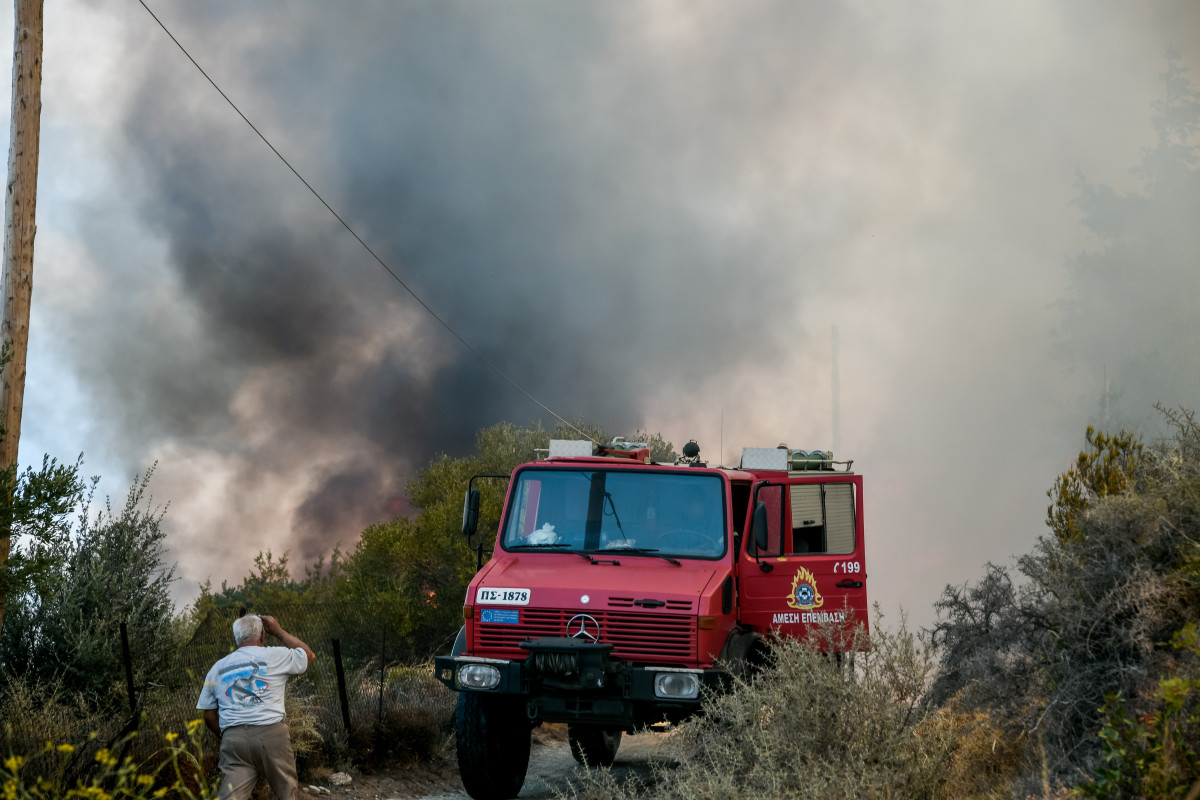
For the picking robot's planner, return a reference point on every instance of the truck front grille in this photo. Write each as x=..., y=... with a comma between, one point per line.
x=635, y=636
x=670, y=605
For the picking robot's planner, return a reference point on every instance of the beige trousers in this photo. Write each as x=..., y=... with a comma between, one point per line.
x=250, y=751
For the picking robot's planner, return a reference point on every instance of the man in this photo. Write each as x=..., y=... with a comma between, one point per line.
x=242, y=700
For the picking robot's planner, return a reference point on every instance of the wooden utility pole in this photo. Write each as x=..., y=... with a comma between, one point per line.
x=20, y=204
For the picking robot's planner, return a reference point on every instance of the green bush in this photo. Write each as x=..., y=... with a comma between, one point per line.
x=1158, y=753
x=111, y=570
x=1076, y=656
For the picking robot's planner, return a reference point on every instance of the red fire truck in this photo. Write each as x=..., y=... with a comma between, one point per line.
x=620, y=590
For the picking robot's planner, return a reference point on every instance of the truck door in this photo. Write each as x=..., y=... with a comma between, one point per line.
x=813, y=569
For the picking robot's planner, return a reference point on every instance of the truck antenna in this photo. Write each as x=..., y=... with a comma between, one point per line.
x=837, y=411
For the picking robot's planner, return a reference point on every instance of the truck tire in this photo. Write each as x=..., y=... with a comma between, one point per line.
x=745, y=655
x=594, y=745
x=493, y=738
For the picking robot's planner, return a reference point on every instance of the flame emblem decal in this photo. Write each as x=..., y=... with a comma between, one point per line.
x=804, y=594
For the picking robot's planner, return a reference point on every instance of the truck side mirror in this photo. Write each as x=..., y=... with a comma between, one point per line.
x=761, y=533
x=471, y=512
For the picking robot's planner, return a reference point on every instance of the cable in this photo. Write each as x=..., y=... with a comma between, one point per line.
x=354, y=233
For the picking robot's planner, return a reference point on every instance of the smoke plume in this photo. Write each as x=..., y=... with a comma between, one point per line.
x=645, y=215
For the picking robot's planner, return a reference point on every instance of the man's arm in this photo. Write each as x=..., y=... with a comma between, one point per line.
x=272, y=626
x=213, y=721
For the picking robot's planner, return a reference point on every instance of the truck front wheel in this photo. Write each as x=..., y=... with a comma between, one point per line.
x=594, y=745
x=493, y=738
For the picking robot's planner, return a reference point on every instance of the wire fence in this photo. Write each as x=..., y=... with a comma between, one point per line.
x=369, y=694
x=370, y=697
x=363, y=674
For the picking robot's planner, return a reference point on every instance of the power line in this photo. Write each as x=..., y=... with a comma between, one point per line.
x=354, y=233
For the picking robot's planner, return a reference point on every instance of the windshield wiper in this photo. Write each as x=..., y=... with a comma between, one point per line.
x=556, y=544
x=613, y=506
x=646, y=551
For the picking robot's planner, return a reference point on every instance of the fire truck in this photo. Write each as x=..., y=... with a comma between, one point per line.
x=621, y=591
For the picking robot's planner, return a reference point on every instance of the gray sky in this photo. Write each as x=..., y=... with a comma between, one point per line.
x=648, y=214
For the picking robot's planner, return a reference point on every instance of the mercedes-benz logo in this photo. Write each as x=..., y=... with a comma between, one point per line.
x=583, y=626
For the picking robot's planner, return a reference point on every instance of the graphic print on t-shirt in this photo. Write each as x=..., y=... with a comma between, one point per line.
x=245, y=682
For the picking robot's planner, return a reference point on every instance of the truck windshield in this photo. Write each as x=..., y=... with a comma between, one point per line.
x=592, y=511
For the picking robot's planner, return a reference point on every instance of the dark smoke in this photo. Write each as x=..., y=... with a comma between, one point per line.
x=542, y=218
x=648, y=215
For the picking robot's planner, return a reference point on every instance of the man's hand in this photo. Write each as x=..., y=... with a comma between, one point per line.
x=271, y=626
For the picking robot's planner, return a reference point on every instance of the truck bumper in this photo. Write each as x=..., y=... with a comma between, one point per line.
x=572, y=683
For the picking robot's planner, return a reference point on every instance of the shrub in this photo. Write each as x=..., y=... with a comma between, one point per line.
x=811, y=725
x=984, y=756
x=414, y=722
x=1065, y=658
x=1158, y=753
x=110, y=571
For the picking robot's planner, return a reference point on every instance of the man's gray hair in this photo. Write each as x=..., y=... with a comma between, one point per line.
x=247, y=629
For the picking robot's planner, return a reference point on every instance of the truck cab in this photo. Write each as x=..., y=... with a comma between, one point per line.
x=620, y=591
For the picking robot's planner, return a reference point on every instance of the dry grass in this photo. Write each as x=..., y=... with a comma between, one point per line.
x=414, y=723
x=35, y=714
x=302, y=721
x=550, y=733
x=983, y=758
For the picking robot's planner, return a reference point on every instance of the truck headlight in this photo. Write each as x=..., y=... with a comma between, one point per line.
x=677, y=685
x=478, y=676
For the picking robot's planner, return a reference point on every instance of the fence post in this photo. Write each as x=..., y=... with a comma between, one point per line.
x=341, y=679
x=128, y=667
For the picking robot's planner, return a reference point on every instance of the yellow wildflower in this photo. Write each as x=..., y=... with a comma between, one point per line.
x=66, y=748
x=172, y=736
x=13, y=763
x=145, y=780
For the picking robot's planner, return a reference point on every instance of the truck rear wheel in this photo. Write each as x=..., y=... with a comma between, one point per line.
x=594, y=745
x=493, y=738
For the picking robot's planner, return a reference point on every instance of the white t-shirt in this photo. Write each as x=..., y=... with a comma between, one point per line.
x=246, y=686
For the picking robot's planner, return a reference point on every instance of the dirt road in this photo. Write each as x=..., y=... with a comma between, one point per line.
x=551, y=771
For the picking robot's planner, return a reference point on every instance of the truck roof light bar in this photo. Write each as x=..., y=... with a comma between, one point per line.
x=570, y=448
x=764, y=458
x=785, y=459
x=619, y=448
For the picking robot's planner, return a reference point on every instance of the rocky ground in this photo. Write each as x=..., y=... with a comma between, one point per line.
x=551, y=771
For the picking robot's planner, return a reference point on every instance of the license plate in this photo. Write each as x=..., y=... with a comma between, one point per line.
x=502, y=597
